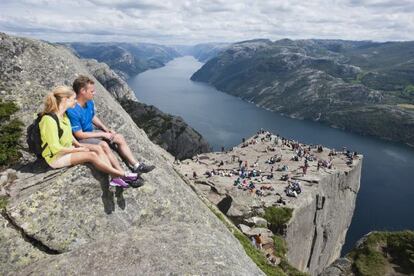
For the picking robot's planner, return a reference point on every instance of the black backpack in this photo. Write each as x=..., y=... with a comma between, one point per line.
x=33, y=134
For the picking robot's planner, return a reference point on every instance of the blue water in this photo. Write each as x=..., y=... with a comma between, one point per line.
x=387, y=185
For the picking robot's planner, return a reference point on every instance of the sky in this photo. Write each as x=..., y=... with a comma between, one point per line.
x=199, y=21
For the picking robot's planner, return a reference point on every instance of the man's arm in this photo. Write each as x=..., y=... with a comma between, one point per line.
x=80, y=135
x=98, y=123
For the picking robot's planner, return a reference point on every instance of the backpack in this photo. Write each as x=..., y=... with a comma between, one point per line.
x=33, y=134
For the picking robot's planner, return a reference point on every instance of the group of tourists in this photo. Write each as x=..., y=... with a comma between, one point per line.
x=71, y=133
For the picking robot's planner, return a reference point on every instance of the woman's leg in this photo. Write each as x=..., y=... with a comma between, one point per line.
x=100, y=152
x=92, y=157
x=103, y=150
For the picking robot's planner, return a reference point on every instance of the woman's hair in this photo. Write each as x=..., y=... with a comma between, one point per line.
x=54, y=98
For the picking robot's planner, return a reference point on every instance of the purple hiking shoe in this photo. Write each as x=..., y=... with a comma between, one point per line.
x=118, y=182
x=130, y=177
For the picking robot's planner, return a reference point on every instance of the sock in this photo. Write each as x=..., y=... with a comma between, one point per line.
x=136, y=166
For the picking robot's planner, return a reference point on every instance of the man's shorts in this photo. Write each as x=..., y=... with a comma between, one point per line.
x=97, y=141
x=93, y=141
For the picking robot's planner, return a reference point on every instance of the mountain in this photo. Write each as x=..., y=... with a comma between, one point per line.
x=204, y=51
x=69, y=221
x=361, y=86
x=126, y=59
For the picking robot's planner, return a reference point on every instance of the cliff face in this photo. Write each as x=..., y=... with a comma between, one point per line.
x=170, y=132
x=70, y=221
x=317, y=230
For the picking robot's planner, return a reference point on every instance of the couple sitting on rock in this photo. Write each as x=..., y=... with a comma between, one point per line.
x=76, y=114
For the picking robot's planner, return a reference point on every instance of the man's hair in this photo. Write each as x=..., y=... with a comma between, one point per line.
x=81, y=82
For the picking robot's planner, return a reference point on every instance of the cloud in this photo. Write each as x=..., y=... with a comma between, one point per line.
x=190, y=22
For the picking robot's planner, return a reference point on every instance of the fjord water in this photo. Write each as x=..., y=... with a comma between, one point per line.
x=385, y=199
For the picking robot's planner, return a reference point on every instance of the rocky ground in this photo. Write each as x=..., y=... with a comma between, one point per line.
x=214, y=176
x=69, y=222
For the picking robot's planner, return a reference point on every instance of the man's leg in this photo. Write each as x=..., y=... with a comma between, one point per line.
x=126, y=153
x=124, y=149
x=112, y=158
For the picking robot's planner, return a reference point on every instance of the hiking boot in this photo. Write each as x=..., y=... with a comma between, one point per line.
x=137, y=183
x=118, y=182
x=130, y=177
x=142, y=168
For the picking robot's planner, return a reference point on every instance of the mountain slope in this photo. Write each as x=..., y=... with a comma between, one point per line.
x=126, y=59
x=331, y=81
x=73, y=222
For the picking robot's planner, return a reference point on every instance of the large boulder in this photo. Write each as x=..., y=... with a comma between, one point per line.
x=74, y=223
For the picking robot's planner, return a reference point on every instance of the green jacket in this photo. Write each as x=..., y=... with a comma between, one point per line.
x=49, y=134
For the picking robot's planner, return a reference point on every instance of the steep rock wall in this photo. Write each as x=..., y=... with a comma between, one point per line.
x=317, y=230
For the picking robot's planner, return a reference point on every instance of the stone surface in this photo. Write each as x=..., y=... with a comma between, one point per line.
x=15, y=251
x=159, y=228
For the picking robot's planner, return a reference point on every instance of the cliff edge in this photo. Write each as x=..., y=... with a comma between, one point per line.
x=254, y=185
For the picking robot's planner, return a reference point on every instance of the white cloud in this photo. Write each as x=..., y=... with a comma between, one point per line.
x=190, y=22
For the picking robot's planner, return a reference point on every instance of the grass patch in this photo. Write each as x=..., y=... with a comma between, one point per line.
x=11, y=130
x=3, y=202
x=381, y=248
x=257, y=256
x=359, y=77
x=280, y=245
x=277, y=217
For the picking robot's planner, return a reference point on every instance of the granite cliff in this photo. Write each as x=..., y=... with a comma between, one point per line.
x=320, y=215
x=69, y=221
x=170, y=132
x=360, y=86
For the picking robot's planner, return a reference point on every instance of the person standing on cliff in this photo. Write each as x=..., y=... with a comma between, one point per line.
x=83, y=121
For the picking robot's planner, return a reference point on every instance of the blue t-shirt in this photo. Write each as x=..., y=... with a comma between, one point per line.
x=81, y=117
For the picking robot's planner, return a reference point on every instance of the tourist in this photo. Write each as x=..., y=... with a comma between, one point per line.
x=62, y=150
x=83, y=119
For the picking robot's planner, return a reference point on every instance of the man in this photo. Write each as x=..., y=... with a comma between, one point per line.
x=83, y=119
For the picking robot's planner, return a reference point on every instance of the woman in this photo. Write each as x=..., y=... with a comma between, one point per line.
x=66, y=151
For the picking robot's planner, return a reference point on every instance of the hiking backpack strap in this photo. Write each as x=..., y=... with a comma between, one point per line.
x=55, y=117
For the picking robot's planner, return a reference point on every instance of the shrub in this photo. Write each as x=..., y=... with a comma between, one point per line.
x=11, y=131
x=277, y=217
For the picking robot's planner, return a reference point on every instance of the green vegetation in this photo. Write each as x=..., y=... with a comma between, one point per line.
x=3, y=202
x=408, y=92
x=11, y=130
x=380, y=249
x=277, y=217
x=257, y=256
x=359, y=77
x=280, y=246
